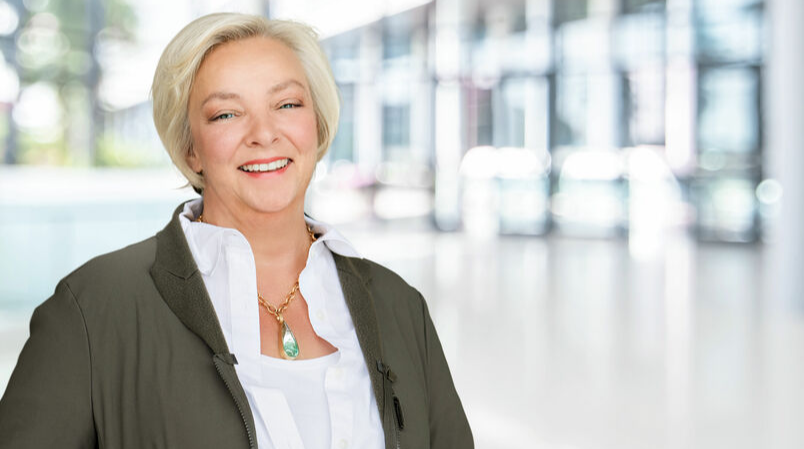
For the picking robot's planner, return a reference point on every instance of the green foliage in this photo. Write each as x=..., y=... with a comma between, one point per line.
x=33, y=151
x=76, y=30
x=113, y=152
x=58, y=43
x=120, y=16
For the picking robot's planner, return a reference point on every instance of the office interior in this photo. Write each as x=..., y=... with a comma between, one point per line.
x=601, y=200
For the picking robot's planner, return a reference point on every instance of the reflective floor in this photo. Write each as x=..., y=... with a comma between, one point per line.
x=564, y=343
x=575, y=344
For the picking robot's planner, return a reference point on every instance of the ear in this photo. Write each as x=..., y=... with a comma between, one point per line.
x=193, y=160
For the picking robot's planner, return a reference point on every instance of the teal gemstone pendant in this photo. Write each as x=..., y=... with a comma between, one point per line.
x=290, y=347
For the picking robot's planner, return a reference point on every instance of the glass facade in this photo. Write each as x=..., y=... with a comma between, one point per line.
x=682, y=77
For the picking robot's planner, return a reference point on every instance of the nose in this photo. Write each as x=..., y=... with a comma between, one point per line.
x=262, y=130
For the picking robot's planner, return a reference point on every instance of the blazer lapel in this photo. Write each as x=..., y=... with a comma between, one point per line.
x=178, y=280
x=355, y=279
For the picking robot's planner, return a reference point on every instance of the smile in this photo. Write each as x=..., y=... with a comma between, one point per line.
x=265, y=168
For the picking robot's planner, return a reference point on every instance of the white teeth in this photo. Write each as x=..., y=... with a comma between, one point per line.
x=275, y=165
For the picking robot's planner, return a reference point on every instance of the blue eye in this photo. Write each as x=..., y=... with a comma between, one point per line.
x=290, y=106
x=224, y=116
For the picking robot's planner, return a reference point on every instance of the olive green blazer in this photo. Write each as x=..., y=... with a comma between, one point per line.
x=128, y=353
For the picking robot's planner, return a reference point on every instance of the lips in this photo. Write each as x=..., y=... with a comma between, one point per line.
x=265, y=165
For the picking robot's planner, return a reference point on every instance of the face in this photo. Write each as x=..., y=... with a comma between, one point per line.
x=253, y=127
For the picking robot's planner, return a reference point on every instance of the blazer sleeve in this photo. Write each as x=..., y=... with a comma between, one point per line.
x=48, y=402
x=449, y=427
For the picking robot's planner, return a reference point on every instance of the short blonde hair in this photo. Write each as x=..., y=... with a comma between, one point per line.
x=183, y=56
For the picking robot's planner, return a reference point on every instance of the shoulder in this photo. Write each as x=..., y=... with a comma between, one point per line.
x=388, y=290
x=118, y=270
x=386, y=277
x=138, y=256
x=371, y=273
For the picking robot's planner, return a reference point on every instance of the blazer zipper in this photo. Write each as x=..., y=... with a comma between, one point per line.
x=392, y=404
x=237, y=403
x=397, y=443
x=400, y=421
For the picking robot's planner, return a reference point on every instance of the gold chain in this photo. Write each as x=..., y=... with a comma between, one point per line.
x=277, y=312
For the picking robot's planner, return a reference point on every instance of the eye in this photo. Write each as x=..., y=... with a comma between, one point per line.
x=290, y=106
x=224, y=116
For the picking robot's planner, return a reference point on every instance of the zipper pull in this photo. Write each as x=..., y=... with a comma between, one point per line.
x=389, y=377
x=400, y=420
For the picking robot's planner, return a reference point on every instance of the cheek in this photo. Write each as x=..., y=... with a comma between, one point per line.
x=212, y=145
x=305, y=133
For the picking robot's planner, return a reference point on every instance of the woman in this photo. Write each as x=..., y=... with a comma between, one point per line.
x=243, y=323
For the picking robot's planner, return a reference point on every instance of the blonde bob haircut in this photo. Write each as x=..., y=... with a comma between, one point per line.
x=183, y=56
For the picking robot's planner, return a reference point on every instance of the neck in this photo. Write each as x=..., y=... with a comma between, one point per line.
x=279, y=240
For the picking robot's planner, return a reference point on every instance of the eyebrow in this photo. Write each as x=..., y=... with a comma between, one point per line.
x=219, y=96
x=274, y=89
x=284, y=85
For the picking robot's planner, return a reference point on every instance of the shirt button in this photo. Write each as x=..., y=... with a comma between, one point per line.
x=321, y=315
x=343, y=444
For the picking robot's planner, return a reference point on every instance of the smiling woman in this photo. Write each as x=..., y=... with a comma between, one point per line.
x=243, y=323
x=250, y=106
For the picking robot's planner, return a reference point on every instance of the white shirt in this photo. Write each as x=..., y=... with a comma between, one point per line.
x=326, y=402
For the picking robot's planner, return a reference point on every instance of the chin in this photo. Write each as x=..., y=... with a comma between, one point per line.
x=271, y=205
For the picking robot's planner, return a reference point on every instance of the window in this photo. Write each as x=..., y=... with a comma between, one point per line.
x=344, y=143
x=728, y=110
x=395, y=129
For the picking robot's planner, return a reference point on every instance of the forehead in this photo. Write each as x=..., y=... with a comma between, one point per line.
x=253, y=60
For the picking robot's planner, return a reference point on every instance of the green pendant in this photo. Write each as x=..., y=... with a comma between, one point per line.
x=290, y=348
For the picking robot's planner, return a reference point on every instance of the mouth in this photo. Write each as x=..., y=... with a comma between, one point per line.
x=266, y=167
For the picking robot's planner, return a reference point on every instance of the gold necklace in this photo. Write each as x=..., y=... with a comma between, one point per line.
x=288, y=346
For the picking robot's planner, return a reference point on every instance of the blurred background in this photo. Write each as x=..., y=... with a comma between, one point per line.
x=601, y=199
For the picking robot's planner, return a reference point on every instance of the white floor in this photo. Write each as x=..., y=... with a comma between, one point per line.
x=575, y=344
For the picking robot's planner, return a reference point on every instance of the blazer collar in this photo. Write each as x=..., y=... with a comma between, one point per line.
x=355, y=278
x=179, y=282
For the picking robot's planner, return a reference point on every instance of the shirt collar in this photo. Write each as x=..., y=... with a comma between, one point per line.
x=207, y=241
x=334, y=240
